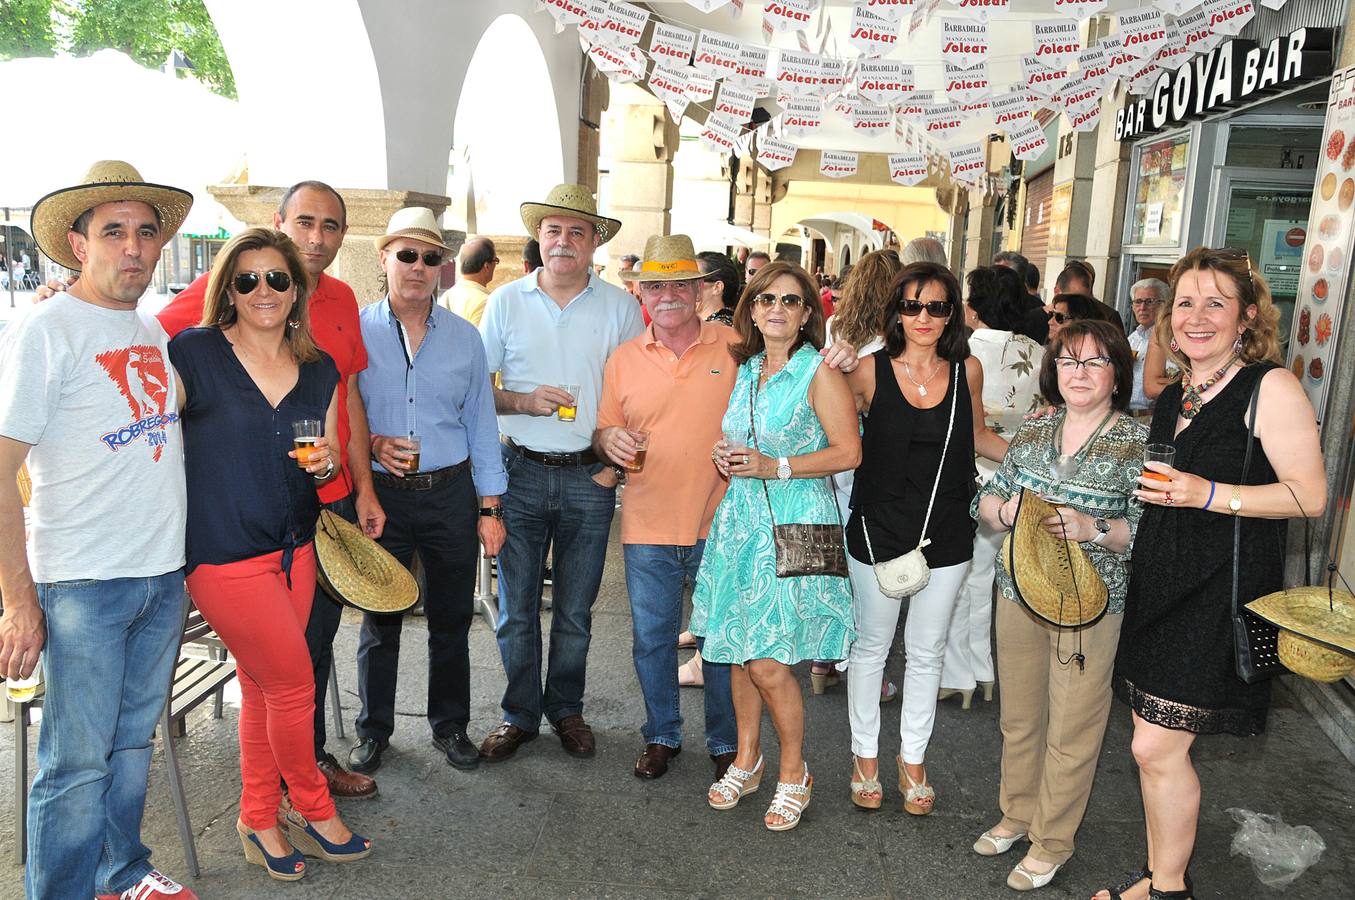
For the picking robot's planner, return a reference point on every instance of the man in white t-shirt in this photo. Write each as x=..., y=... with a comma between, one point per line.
x=88, y=398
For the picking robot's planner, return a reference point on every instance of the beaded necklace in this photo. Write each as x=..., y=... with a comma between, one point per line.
x=1193, y=397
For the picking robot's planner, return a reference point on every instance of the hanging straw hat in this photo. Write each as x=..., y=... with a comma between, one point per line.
x=356, y=570
x=575, y=201
x=1317, y=630
x=108, y=180
x=1053, y=577
x=668, y=257
x=415, y=222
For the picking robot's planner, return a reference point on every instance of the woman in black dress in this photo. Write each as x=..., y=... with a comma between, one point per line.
x=1175, y=665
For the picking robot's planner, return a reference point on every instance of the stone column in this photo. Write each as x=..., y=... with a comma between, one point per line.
x=642, y=176
x=368, y=213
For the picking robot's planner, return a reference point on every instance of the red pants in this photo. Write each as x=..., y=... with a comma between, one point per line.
x=263, y=624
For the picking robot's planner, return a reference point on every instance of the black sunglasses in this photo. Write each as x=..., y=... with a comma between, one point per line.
x=789, y=301
x=1061, y=317
x=431, y=258
x=937, y=309
x=246, y=282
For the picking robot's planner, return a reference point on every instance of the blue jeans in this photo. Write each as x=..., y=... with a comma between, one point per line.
x=655, y=575
x=111, y=647
x=564, y=509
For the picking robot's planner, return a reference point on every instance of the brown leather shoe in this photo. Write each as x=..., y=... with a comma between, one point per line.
x=344, y=784
x=575, y=736
x=722, y=762
x=653, y=763
x=504, y=741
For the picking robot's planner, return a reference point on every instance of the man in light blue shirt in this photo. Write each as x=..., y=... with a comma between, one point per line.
x=1147, y=296
x=548, y=335
x=435, y=448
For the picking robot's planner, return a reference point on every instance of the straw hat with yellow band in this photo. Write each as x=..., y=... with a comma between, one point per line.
x=1051, y=576
x=357, y=571
x=1317, y=630
x=574, y=201
x=107, y=181
x=669, y=257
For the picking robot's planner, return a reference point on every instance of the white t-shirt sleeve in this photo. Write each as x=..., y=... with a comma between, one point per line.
x=491, y=330
x=33, y=367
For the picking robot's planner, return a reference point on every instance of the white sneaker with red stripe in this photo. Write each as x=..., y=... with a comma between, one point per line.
x=153, y=886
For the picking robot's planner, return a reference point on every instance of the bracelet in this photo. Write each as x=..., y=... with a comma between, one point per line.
x=1211, y=495
x=327, y=473
x=1004, y=521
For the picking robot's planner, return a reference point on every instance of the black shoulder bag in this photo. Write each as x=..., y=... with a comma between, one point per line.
x=1255, y=641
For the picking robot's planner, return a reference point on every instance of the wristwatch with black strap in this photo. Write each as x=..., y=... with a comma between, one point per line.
x=493, y=512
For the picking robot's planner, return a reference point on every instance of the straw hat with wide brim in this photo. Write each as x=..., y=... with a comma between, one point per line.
x=107, y=181
x=356, y=570
x=575, y=201
x=1317, y=630
x=1052, y=577
x=668, y=257
x=417, y=222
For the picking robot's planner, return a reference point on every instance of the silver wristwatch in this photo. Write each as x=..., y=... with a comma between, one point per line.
x=783, y=468
x=1102, y=530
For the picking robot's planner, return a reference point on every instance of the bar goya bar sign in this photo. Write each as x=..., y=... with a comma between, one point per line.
x=1232, y=73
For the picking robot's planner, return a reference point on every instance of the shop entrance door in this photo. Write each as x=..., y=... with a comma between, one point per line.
x=1265, y=212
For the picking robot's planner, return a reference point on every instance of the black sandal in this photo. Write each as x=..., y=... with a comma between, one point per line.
x=1188, y=893
x=1133, y=878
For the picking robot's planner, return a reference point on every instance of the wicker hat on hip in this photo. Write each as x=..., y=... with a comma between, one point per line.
x=107, y=181
x=357, y=571
x=575, y=201
x=668, y=257
x=1053, y=577
x=416, y=222
x=1317, y=630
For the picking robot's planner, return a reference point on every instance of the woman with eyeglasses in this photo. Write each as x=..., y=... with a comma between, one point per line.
x=922, y=395
x=790, y=424
x=1055, y=682
x=248, y=373
x=1176, y=666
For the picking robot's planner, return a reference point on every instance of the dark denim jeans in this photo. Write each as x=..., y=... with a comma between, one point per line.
x=110, y=650
x=321, y=627
x=655, y=576
x=566, y=510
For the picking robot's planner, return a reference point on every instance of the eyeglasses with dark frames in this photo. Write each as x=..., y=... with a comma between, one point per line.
x=1092, y=364
x=431, y=258
x=276, y=279
x=937, y=309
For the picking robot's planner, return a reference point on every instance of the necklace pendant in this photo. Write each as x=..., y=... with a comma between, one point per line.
x=922, y=390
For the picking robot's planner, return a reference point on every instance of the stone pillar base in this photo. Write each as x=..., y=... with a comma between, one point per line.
x=368, y=213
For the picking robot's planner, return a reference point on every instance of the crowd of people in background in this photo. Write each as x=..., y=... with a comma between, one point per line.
x=805, y=451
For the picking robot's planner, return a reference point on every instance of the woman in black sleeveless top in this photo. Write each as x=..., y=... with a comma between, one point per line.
x=1175, y=665
x=920, y=390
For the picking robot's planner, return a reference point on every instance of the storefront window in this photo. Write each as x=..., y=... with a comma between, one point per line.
x=1271, y=224
x=1160, y=197
x=1269, y=147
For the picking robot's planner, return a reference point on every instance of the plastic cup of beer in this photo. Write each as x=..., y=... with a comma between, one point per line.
x=412, y=463
x=305, y=432
x=22, y=690
x=1159, y=453
x=568, y=413
x=641, y=439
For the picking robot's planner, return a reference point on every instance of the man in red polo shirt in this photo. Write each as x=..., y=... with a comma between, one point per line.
x=314, y=216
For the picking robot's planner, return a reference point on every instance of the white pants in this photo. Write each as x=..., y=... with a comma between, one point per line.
x=969, y=648
x=924, y=642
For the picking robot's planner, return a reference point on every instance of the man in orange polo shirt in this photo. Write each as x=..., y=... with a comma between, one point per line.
x=673, y=381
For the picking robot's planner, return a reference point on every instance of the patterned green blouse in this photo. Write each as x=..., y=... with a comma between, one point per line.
x=1102, y=487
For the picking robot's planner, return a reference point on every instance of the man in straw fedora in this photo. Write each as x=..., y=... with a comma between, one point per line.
x=673, y=383
x=548, y=336
x=88, y=398
x=439, y=477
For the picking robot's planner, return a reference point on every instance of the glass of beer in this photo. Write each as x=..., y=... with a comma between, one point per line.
x=567, y=413
x=304, y=434
x=412, y=464
x=641, y=439
x=1160, y=453
x=22, y=690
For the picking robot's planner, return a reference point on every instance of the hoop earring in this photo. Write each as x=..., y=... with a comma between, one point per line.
x=1176, y=348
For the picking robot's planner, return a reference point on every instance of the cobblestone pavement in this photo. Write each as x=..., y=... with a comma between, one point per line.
x=548, y=825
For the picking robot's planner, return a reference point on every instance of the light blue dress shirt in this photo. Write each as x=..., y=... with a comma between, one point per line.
x=530, y=341
x=442, y=393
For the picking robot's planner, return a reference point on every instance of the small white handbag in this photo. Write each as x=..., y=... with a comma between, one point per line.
x=905, y=575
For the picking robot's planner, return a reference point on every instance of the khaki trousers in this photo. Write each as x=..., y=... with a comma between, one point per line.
x=1053, y=721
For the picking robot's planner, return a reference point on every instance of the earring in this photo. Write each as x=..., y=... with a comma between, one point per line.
x=1176, y=348
x=1237, y=344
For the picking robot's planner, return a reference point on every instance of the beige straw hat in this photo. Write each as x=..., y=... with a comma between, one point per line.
x=1317, y=630
x=107, y=180
x=575, y=201
x=668, y=257
x=415, y=222
x=1052, y=577
x=356, y=570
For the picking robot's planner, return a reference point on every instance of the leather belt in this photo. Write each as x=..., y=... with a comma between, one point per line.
x=424, y=481
x=554, y=460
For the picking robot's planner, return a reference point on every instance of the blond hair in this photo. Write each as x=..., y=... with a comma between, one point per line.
x=865, y=302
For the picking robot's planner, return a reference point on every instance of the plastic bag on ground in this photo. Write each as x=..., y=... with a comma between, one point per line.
x=1279, y=853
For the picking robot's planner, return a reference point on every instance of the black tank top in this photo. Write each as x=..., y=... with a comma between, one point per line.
x=900, y=452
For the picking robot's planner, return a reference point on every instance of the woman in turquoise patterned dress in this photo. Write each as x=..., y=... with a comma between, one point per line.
x=801, y=429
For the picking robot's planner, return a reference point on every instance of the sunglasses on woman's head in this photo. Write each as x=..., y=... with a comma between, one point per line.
x=246, y=282
x=789, y=301
x=431, y=258
x=937, y=309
